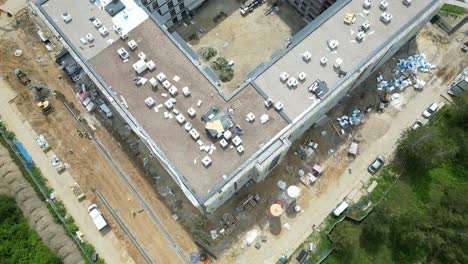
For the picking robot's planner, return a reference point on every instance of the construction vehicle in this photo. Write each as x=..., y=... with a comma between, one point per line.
x=22, y=77
x=46, y=107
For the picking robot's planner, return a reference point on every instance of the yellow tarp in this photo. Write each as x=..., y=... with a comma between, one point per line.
x=215, y=125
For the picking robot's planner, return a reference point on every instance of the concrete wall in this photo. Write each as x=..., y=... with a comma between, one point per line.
x=171, y=12
x=310, y=9
x=250, y=172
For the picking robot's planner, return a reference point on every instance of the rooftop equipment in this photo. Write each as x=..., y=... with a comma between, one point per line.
x=349, y=18
x=386, y=17
x=284, y=76
x=306, y=56
x=367, y=4
x=407, y=2
x=140, y=66
x=268, y=102
x=278, y=106
x=123, y=53
x=323, y=61
x=366, y=26
x=383, y=5
x=360, y=36
x=333, y=44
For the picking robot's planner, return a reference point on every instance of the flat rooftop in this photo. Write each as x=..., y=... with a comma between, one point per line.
x=297, y=100
x=81, y=12
x=176, y=143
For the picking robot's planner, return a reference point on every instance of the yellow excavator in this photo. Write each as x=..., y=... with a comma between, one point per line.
x=46, y=107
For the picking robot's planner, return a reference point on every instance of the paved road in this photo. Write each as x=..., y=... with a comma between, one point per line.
x=107, y=244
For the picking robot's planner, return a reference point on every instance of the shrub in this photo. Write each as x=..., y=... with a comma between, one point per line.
x=223, y=70
x=207, y=53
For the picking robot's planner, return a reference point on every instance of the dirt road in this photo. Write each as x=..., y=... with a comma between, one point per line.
x=87, y=166
x=338, y=182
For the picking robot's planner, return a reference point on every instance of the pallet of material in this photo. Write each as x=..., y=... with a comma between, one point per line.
x=42, y=143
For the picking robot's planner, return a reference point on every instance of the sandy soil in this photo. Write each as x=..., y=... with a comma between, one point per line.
x=247, y=40
x=87, y=166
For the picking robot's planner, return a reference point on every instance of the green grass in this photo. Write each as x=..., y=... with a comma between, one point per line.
x=42, y=181
x=19, y=243
x=453, y=9
x=423, y=217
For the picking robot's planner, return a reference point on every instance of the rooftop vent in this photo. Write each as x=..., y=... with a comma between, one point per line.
x=306, y=56
x=333, y=44
x=323, y=61
x=407, y=2
x=367, y=4
x=338, y=63
x=279, y=106
x=383, y=5
x=386, y=17
x=302, y=76
x=360, y=36
x=292, y=82
x=365, y=26
x=284, y=76
x=268, y=102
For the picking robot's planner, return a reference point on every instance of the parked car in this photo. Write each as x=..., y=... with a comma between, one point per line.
x=417, y=125
x=376, y=164
x=105, y=109
x=430, y=110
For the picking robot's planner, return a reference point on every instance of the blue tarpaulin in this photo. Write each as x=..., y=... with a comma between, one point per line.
x=24, y=153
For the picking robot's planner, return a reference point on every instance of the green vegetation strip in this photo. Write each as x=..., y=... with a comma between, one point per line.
x=40, y=185
x=453, y=9
x=19, y=243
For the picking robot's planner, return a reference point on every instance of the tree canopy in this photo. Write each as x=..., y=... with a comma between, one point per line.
x=18, y=242
x=423, y=219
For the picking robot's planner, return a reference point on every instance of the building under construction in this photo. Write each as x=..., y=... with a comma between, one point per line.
x=212, y=143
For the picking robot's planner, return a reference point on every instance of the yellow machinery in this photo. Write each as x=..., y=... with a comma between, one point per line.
x=45, y=106
x=349, y=18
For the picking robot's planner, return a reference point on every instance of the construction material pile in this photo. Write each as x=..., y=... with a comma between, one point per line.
x=405, y=74
x=356, y=118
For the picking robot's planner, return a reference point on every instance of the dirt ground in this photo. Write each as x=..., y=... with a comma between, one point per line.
x=87, y=166
x=343, y=176
x=247, y=40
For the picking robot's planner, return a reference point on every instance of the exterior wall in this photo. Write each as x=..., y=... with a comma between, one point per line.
x=250, y=172
x=230, y=188
x=310, y=9
x=171, y=12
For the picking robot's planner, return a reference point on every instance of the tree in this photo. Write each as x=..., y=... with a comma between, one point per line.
x=425, y=148
x=207, y=53
x=375, y=230
x=222, y=68
x=18, y=242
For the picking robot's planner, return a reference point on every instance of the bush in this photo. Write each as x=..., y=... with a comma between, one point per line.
x=18, y=242
x=207, y=53
x=223, y=70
